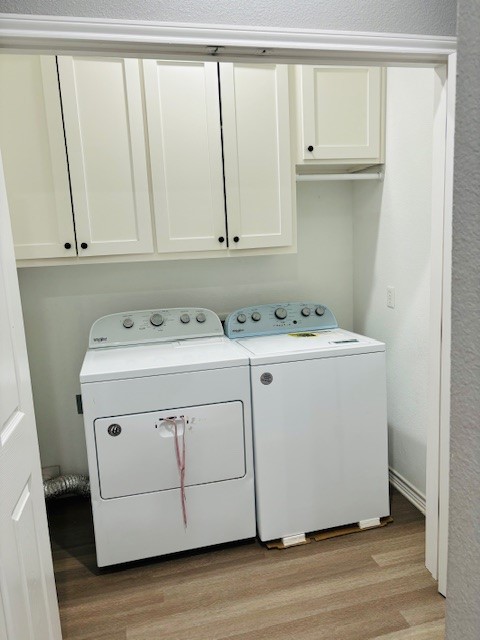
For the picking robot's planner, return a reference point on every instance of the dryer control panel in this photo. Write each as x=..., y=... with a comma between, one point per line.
x=271, y=319
x=154, y=325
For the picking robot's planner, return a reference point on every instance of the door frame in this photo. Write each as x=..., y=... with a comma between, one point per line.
x=440, y=432
x=128, y=38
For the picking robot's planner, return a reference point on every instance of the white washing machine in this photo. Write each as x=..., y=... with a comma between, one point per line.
x=167, y=412
x=319, y=420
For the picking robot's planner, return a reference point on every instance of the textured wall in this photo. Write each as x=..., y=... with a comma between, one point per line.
x=60, y=303
x=392, y=225
x=463, y=610
x=433, y=17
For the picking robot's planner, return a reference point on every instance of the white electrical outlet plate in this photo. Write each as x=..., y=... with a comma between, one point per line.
x=391, y=297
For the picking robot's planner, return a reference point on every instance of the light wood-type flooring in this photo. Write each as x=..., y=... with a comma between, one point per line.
x=365, y=585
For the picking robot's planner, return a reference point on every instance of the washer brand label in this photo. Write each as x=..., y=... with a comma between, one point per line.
x=266, y=378
x=237, y=330
x=102, y=339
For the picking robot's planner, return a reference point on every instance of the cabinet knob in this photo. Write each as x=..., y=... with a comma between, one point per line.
x=221, y=239
x=67, y=245
x=310, y=147
x=236, y=238
x=84, y=245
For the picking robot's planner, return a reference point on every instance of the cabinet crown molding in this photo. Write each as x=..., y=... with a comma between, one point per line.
x=50, y=34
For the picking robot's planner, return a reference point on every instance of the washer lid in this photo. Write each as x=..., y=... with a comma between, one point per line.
x=308, y=346
x=157, y=359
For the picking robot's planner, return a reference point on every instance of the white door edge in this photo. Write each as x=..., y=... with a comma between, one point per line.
x=435, y=330
x=444, y=436
x=438, y=429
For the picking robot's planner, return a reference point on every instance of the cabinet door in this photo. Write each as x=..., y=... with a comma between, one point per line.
x=341, y=112
x=183, y=116
x=104, y=128
x=34, y=158
x=258, y=166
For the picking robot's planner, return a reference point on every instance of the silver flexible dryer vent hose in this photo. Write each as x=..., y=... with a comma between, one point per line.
x=71, y=483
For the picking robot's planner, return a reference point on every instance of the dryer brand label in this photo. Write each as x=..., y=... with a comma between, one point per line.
x=102, y=339
x=266, y=378
x=114, y=430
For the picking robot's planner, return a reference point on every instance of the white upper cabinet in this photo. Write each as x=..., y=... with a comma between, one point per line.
x=194, y=154
x=185, y=143
x=34, y=158
x=340, y=114
x=256, y=147
x=105, y=136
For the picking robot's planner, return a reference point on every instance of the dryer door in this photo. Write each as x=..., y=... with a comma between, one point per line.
x=136, y=453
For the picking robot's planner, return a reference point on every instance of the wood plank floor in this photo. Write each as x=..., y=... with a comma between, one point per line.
x=362, y=586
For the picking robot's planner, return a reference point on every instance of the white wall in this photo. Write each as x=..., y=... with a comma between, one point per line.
x=60, y=304
x=392, y=248
x=434, y=17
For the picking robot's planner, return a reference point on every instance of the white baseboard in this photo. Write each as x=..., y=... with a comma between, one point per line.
x=411, y=493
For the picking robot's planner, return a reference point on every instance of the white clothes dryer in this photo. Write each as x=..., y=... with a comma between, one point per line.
x=167, y=412
x=319, y=420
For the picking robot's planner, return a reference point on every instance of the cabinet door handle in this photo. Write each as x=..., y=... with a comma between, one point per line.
x=221, y=239
x=84, y=245
x=67, y=245
x=310, y=147
x=236, y=238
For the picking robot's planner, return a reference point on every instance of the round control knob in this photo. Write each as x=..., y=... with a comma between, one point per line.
x=310, y=147
x=201, y=317
x=281, y=313
x=256, y=316
x=241, y=318
x=185, y=318
x=156, y=319
x=320, y=311
x=305, y=312
x=128, y=323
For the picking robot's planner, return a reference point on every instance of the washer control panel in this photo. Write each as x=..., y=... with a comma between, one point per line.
x=270, y=319
x=155, y=325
